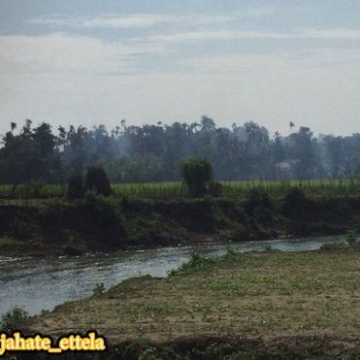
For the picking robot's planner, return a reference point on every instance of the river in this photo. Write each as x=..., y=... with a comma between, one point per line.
x=40, y=284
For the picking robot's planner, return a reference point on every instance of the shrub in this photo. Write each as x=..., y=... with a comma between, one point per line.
x=53, y=209
x=259, y=206
x=13, y=319
x=75, y=187
x=98, y=290
x=34, y=189
x=195, y=264
x=351, y=237
x=97, y=180
x=197, y=172
x=215, y=189
x=294, y=203
x=257, y=198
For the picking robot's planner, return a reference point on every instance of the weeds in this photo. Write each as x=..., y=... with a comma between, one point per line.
x=195, y=264
x=351, y=237
x=98, y=289
x=230, y=249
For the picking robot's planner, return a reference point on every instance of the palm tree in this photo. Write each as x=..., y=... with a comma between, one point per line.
x=291, y=125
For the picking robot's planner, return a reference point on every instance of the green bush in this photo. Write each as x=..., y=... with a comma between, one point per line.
x=195, y=264
x=98, y=290
x=259, y=206
x=13, y=319
x=97, y=180
x=75, y=187
x=294, y=203
x=197, y=173
x=34, y=189
x=215, y=189
x=351, y=237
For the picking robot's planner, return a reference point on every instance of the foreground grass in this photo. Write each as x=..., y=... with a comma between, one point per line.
x=269, y=294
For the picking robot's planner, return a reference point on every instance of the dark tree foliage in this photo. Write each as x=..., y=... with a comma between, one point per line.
x=197, y=173
x=97, y=180
x=76, y=189
x=294, y=203
x=152, y=153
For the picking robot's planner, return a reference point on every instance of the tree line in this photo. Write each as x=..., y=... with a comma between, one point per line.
x=152, y=153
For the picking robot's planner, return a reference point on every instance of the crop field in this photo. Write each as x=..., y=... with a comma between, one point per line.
x=27, y=193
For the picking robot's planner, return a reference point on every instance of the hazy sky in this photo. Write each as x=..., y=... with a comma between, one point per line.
x=93, y=62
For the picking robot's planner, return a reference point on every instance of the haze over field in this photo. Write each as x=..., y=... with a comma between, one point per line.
x=89, y=63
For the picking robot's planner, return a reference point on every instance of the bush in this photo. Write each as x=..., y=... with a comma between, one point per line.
x=197, y=172
x=195, y=264
x=97, y=180
x=351, y=237
x=259, y=206
x=13, y=319
x=98, y=290
x=215, y=189
x=34, y=189
x=75, y=187
x=294, y=203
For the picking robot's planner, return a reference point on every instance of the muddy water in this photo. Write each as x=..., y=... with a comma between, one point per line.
x=37, y=284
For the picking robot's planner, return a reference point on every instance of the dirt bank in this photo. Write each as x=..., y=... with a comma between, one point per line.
x=71, y=228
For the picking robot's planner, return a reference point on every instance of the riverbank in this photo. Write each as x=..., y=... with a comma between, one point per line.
x=254, y=305
x=58, y=227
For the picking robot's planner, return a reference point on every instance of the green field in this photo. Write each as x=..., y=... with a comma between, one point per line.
x=23, y=193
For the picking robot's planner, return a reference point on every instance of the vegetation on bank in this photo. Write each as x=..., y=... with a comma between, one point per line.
x=241, y=306
x=95, y=223
x=92, y=217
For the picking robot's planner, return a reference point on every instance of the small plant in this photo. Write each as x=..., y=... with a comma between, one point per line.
x=98, y=289
x=351, y=237
x=13, y=319
x=196, y=263
x=268, y=248
x=149, y=354
x=230, y=249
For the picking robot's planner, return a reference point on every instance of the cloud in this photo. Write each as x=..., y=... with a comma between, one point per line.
x=331, y=34
x=283, y=60
x=59, y=53
x=65, y=53
x=198, y=36
x=122, y=22
x=307, y=33
x=150, y=20
x=114, y=21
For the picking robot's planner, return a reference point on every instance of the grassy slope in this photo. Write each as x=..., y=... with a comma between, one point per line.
x=269, y=294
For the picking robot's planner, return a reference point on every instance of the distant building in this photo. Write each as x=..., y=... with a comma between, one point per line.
x=283, y=166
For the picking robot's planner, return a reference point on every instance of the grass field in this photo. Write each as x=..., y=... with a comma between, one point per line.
x=271, y=294
x=172, y=190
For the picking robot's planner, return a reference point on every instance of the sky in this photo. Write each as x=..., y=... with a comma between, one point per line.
x=87, y=63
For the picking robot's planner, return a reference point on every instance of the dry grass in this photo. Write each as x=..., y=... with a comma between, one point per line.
x=268, y=294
